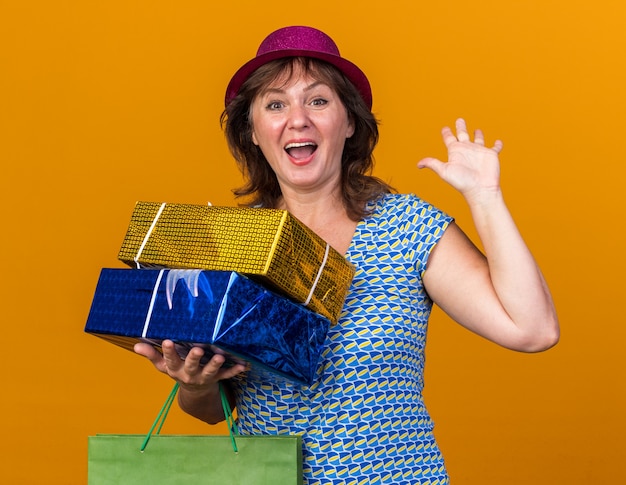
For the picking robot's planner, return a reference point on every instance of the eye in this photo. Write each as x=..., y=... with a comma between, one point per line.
x=274, y=105
x=319, y=102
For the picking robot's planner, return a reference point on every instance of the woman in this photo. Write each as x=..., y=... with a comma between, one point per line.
x=298, y=121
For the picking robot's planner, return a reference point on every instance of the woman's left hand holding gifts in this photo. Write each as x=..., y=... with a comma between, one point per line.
x=195, y=380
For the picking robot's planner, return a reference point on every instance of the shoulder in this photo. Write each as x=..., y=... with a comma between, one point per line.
x=408, y=224
x=407, y=209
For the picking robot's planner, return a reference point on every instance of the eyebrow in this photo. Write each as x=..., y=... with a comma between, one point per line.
x=307, y=88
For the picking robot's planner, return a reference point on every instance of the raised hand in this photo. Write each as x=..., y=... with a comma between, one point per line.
x=472, y=168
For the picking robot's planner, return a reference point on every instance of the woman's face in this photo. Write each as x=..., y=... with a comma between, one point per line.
x=301, y=127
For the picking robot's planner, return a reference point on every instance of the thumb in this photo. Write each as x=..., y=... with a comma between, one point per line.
x=153, y=355
x=433, y=164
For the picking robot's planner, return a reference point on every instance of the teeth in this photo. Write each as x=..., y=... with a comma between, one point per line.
x=298, y=145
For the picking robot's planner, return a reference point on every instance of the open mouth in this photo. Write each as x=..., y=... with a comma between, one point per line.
x=300, y=151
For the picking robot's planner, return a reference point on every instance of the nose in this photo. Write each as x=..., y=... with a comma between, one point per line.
x=298, y=117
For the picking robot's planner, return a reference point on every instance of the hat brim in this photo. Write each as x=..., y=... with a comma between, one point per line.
x=350, y=70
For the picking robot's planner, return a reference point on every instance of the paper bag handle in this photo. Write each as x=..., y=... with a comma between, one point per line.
x=230, y=420
x=160, y=419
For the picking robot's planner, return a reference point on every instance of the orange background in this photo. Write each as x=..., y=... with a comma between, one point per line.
x=106, y=103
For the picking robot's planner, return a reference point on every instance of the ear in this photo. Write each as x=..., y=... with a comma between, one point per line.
x=254, y=140
x=350, y=130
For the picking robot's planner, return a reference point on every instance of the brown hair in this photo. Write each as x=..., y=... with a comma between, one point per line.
x=358, y=185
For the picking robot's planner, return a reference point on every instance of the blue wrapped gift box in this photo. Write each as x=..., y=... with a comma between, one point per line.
x=221, y=311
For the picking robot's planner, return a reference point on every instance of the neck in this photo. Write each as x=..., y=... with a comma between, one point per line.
x=326, y=216
x=313, y=207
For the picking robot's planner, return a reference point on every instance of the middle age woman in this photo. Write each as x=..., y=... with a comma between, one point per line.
x=298, y=121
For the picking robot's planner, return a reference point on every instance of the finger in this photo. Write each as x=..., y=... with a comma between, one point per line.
x=146, y=350
x=432, y=163
x=479, y=138
x=461, y=130
x=170, y=356
x=448, y=136
x=152, y=354
x=213, y=366
x=497, y=146
x=233, y=371
x=192, y=362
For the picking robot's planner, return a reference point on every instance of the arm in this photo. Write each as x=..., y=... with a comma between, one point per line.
x=199, y=391
x=501, y=295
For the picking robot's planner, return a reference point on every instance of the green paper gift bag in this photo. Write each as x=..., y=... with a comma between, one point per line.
x=189, y=459
x=177, y=459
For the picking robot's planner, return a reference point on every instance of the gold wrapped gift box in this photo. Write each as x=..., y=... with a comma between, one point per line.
x=268, y=245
